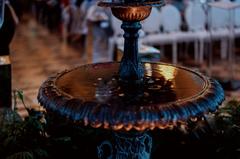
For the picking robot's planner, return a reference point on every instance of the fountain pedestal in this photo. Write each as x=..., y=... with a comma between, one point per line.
x=94, y=95
x=127, y=146
x=130, y=98
x=131, y=69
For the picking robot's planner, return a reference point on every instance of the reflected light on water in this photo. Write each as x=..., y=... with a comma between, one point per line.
x=148, y=68
x=168, y=72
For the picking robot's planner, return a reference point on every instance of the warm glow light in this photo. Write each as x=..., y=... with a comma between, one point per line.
x=168, y=72
x=134, y=9
x=141, y=126
x=148, y=68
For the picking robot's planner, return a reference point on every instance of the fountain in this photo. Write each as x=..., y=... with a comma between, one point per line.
x=130, y=98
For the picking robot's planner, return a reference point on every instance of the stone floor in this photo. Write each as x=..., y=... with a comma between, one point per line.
x=37, y=54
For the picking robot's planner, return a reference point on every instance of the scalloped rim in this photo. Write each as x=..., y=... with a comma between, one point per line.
x=162, y=117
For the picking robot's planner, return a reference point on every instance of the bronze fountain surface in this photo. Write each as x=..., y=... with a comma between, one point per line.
x=129, y=98
x=92, y=94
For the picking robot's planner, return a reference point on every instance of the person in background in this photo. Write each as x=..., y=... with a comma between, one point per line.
x=71, y=16
x=38, y=7
x=77, y=31
x=101, y=31
x=53, y=15
x=74, y=29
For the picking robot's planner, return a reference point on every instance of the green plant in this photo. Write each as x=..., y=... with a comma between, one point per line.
x=34, y=138
x=21, y=155
x=227, y=122
x=228, y=118
x=22, y=137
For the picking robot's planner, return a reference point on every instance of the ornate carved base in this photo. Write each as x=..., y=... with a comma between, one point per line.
x=127, y=146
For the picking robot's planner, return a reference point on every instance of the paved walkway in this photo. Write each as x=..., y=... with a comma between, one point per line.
x=36, y=54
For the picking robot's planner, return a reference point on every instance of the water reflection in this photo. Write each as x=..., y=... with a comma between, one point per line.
x=161, y=84
x=151, y=91
x=168, y=72
x=104, y=89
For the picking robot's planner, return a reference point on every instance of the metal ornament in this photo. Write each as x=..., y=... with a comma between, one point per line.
x=130, y=98
x=127, y=146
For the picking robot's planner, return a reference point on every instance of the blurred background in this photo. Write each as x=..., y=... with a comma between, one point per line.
x=204, y=35
x=53, y=35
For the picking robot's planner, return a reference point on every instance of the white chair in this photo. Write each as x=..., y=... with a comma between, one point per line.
x=195, y=16
x=196, y=22
x=151, y=25
x=218, y=21
x=237, y=20
x=170, y=20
